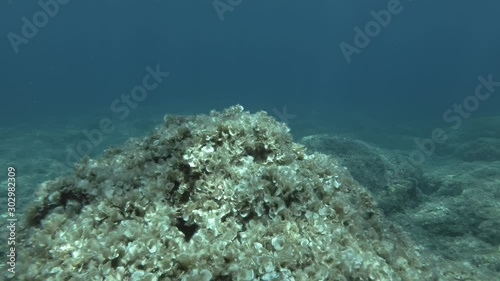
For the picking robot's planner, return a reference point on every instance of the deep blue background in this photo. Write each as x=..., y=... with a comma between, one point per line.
x=264, y=55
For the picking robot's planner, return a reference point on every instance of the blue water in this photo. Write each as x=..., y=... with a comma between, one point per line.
x=262, y=55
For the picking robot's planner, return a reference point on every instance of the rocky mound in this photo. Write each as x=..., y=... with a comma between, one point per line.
x=225, y=196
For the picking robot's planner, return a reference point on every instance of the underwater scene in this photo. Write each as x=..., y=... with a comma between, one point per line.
x=237, y=140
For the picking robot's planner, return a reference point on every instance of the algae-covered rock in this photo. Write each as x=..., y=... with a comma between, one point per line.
x=224, y=196
x=477, y=139
x=391, y=178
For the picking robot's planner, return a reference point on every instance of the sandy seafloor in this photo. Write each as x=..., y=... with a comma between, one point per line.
x=456, y=215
